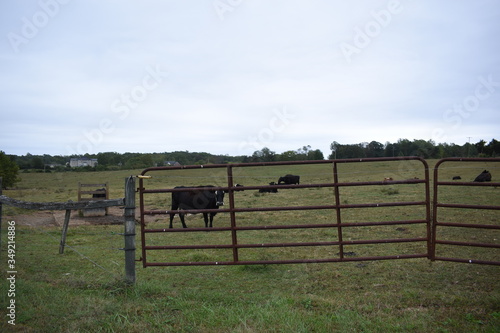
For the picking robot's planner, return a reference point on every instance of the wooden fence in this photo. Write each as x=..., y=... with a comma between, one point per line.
x=86, y=193
x=129, y=218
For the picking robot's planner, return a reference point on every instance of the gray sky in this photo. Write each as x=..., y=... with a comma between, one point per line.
x=234, y=76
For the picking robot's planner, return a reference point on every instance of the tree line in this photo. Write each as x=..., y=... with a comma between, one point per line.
x=10, y=164
x=421, y=148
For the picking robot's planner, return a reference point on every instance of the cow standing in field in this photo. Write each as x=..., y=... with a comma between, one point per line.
x=195, y=198
x=289, y=179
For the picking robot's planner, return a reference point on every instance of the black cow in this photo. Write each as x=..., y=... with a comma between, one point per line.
x=457, y=178
x=484, y=176
x=196, y=199
x=269, y=190
x=289, y=179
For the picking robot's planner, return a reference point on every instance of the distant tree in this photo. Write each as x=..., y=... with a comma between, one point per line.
x=37, y=163
x=493, y=148
x=290, y=155
x=470, y=150
x=8, y=171
x=334, y=147
x=455, y=150
x=347, y=151
x=480, y=146
x=140, y=161
x=357, y=150
x=303, y=152
x=109, y=159
x=404, y=147
x=314, y=155
x=374, y=149
x=390, y=149
x=422, y=148
x=264, y=155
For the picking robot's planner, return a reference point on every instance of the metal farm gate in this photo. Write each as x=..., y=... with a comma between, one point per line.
x=465, y=226
x=353, y=217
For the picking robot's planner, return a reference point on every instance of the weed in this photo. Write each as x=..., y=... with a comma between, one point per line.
x=470, y=318
x=389, y=191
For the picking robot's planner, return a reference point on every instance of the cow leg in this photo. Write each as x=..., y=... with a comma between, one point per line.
x=175, y=206
x=171, y=219
x=211, y=219
x=181, y=215
x=205, y=217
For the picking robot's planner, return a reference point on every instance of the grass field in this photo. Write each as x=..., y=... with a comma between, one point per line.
x=83, y=289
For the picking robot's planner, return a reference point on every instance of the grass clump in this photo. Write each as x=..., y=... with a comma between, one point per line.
x=390, y=191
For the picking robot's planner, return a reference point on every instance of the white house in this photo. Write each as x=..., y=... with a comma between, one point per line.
x=82, y=162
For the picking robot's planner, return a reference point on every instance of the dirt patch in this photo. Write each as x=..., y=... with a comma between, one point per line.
x=34, y=220
x=56, y=218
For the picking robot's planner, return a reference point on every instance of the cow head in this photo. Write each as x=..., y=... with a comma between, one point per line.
x=219, y=198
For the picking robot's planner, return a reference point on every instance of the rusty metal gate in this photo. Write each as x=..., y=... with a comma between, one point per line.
x=465, y=228
x=394, y=201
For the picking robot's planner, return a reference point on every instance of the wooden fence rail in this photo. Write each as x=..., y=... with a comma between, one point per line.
x=67, y=206
x=70, y=205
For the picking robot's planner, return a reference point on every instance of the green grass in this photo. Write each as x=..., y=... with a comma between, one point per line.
x=83, y=289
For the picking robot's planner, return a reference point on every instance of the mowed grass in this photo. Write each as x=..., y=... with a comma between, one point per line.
x=83, y=289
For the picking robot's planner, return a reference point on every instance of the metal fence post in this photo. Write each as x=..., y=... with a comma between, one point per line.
x=129, y=230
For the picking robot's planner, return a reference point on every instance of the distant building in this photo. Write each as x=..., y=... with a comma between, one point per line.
x=53, y=165
x=171, y=163
x=82, y=162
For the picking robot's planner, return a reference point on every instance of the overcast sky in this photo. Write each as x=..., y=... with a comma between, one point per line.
x=234, y=76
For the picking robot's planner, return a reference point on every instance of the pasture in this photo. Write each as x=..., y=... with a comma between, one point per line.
x=82, y=290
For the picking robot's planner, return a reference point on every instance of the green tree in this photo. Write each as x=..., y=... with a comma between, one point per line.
x=480, y=147
x=493, y=148
x=8, y=171
x=264, y=155
x=404, y=147
x=315, y=155
x=334, y=147
x=422, y=148
x=37, y=163
x=289, y=155
x=375, y=149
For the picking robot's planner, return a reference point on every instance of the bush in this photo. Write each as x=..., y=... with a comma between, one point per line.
x=8, y=171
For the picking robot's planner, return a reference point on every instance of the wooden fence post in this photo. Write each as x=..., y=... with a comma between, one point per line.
x=64, y=231
x=129, y=230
